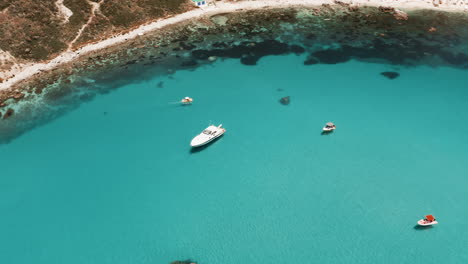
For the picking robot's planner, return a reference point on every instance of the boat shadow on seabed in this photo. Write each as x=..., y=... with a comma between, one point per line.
x=198, y=149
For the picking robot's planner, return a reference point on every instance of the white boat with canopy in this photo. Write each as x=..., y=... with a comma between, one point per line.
x=428, y=221
x=329, y=127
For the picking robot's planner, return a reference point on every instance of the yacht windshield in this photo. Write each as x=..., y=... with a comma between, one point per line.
x=206, y=132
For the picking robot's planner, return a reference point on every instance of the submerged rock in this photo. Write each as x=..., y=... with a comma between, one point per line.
x=189, y=63
x=183, y=262
x=285, y=100
x=297, y=49
x=311, y=61
x=248, y=52
x=332, y=56
x=86, y=97
x=390, y=75
x=8, y=113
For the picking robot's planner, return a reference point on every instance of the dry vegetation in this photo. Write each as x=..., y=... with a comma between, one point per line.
x=33, y=30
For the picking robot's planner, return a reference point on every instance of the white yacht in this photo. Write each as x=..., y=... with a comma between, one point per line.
x=206, y=136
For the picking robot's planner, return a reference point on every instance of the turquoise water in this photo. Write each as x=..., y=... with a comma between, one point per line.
x=114, y=181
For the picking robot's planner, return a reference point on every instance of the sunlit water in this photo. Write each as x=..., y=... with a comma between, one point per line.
x=115, y=181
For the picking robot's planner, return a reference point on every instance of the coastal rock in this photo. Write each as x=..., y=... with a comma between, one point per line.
x=341, y=3
x=285, y=100
x=400, y=15
x=386, y=9
x=219, y=20
x=186, y=46
x=8, y=113
x=353, y=8
x=131, y=62
x=390, y=75
x=18, y=96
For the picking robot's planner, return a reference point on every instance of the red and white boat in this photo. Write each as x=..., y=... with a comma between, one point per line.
x=428, y=221
x=186, y=101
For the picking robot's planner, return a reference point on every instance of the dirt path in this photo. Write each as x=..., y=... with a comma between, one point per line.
x=64, y=11
x=95, y=7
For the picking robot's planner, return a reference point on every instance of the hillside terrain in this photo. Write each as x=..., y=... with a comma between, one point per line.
x=32, y=30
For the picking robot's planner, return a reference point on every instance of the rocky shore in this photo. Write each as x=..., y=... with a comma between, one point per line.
x=325, y=33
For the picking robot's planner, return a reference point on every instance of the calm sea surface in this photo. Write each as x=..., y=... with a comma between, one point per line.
x=115, y=181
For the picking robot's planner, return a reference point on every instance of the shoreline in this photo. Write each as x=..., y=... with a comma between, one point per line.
x=29, y=71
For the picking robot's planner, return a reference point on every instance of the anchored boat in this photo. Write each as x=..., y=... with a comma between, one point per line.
x=329, y=127
x=186, y=101
x=428, y=221
x=206, y=136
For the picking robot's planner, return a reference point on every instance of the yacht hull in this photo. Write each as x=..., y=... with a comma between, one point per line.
x=208, y=135
x=199, y=144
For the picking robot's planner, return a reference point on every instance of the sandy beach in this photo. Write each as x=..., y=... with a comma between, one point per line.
x=24, y=71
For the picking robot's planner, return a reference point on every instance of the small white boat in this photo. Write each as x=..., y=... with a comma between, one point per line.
x=329, y=127
x=206, y=136
x=186, y=101
x=428, y=221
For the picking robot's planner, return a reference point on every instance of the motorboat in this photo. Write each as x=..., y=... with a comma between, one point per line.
x=186, y=100
x=329, y=127
x=428, y=221
x=206, y=136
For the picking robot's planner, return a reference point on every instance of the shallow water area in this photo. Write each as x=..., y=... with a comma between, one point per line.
x=115, y=180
